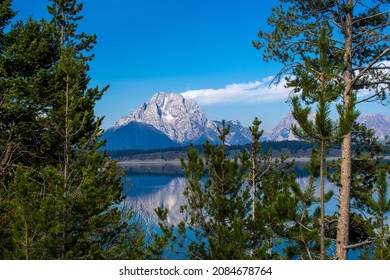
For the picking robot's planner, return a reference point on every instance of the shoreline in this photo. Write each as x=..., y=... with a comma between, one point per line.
x=149, y=162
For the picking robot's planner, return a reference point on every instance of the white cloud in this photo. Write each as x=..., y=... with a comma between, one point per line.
x=377, y=77
x=251, y=92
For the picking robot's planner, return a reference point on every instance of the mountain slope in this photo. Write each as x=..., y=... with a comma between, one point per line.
x=379, y=123
x=169, y=120
x=282, y=131
x=136, y=136
x=178, y=118
x=238, y=135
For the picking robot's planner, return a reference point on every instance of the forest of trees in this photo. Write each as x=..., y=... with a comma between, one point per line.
x=61, y=193
x=60, y=198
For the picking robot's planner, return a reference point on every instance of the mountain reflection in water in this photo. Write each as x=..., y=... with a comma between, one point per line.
x=153, y=186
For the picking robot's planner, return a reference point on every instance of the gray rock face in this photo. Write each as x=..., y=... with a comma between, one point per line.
x=238, y=134
x=282, y=131
x=181, y=120
x=379, y=123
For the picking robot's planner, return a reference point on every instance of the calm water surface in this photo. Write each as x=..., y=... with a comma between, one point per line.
x=153, y=186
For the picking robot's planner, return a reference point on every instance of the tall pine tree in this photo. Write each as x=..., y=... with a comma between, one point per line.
x=368, y=194
x=318, y=86
x=359, y=43
x=65, y=195
x=218, y=208
x=238, y=207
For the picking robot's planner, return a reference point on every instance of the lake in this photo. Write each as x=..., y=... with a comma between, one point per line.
x=149, y=186
x=162, y=185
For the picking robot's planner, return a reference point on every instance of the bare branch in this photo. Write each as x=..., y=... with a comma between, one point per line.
x=373, y=68
x=308, y=229
x=368, y=99
x=368, y=67
x=357, y=245
x=369, y=17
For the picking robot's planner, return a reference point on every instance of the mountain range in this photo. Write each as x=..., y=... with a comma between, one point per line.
x=170, y=120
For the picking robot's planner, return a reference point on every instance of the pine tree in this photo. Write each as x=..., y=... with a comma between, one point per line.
x=218, y=208
x=318, y=86
x=25, y=61
x=379, y=208
x=83, y=174
x=304, y=233
x=360, y=49
x=238, y=207
x=273, y=202
x=64, y=193
x=26, y=71
x=369, y=171
x=6, y=15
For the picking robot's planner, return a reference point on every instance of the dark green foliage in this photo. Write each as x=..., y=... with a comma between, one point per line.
x=273, y=204
x=6, y=14
x=379, y=208
x=368, y=157
x=65, y=17
x=319, y=87
x=358, y=44
x=276, y=207
x=369, y=187
x=295, y=28
x=60, y=197
x=218, y=207
x=238, y=208
x=304, y=234
x=25, y=69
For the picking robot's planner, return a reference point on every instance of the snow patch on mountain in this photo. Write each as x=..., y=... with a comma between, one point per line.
x=182, y=121
x=179, y=118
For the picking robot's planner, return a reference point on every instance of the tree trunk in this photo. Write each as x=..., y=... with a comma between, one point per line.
x=344, y=200
x=253, y=186
x=322, y=198
x=342, y=239
x=26, y=244
x=66, y=168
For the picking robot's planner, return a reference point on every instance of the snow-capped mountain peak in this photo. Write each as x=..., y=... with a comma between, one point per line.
x=169, y=120
x=179, y=118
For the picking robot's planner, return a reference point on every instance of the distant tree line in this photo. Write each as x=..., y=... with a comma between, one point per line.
x=291, y=146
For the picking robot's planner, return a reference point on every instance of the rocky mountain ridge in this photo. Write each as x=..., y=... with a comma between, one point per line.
x=179, y=118
x=170, y=120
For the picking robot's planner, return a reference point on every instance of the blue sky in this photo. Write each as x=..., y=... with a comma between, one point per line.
x=201, y=48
